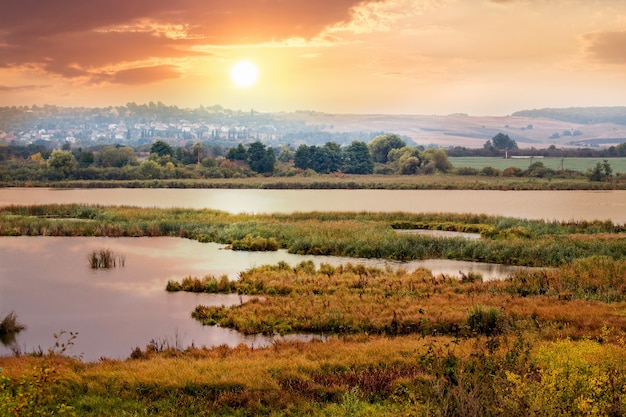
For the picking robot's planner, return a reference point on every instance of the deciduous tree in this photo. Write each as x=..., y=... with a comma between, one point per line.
x=381, y=145
x=357, y=159
x=62, y=163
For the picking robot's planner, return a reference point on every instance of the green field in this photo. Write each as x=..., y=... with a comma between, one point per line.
x=576, y=164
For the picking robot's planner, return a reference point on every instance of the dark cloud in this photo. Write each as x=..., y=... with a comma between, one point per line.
x=78, y=38
x=609, y=46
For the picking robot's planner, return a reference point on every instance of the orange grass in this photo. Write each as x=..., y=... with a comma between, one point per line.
x=354, y=298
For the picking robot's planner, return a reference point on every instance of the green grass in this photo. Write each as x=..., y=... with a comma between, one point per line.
x=574, y=164
x=357, y=235
x=367, y=182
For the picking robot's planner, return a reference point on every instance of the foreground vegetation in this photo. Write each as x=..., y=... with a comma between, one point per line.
x=358, y=235
x=352, y=376
x=410, y=345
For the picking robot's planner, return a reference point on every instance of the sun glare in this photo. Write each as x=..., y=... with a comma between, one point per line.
x=244, y=74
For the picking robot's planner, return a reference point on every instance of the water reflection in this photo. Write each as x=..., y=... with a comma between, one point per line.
x=48, y=283
x=548, y=205
x=8, y=339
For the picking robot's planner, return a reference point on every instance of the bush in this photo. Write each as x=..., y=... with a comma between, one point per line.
x=468, y=171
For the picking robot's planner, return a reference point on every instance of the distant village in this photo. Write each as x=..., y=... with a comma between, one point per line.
x=137, y=125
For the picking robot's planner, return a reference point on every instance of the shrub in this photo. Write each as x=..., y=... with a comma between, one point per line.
x=469, y=171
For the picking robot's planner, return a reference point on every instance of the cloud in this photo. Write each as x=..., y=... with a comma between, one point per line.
x=607, y=46
x=88, y=39
x=146, y=75
x=7, y=88
x=382, y=16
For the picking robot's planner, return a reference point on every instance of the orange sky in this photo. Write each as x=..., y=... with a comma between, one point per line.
x=482, y=57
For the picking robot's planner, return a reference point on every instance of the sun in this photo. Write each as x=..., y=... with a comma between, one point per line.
x=244, y=74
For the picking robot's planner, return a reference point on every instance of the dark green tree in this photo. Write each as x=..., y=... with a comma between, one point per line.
x=161, y=148
x=85, y=159
x=325, y=159
x=261, y=160
x=357, y=159
x=238, y=153
x=332, y=158
x=601, y=172
x=501, y=142
x=302, y=157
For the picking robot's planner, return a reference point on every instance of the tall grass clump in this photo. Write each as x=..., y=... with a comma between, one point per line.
x=595, y=278
x=105, y=258
x=10, y=325
x=485, y=320
x=209, y=284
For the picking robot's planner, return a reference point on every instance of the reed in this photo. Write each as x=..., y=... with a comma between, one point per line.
x=105, y=258
x=10, y=325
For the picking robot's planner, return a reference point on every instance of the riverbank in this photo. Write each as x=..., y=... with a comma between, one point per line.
x=351, y=182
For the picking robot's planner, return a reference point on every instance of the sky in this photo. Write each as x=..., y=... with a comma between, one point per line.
x=480, y=57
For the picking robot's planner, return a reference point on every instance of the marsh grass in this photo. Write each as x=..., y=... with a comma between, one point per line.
x=358, y=375
x=10, y=325
x=105, y=259
x=359, y=235
x=351, y=299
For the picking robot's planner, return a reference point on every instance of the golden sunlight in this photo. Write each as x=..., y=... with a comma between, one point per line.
x=244, y=74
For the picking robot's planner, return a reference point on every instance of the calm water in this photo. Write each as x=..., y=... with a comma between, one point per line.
x=549, y=205
x=47, y=281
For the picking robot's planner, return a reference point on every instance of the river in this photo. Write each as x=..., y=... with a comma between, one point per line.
x=545, y=205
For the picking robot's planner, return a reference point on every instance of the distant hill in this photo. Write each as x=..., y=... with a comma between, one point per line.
x=580, y=115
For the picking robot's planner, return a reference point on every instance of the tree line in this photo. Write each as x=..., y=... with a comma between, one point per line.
x=386, y=154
